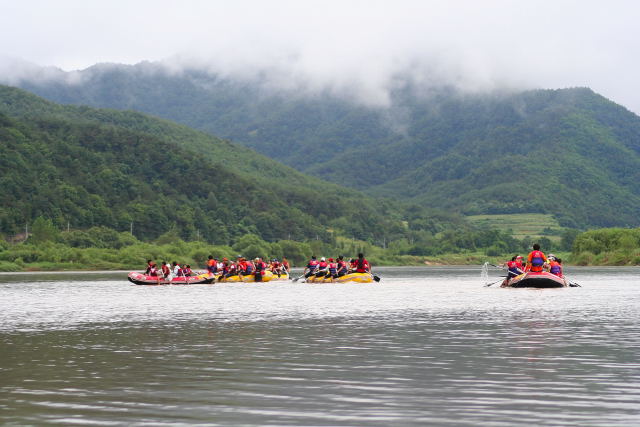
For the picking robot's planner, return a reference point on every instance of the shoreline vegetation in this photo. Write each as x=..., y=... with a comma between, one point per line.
x=99, y=248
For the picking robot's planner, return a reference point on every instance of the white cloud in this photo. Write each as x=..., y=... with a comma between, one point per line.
x=352, y=46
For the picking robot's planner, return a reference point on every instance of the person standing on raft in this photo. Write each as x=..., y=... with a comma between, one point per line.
x=536, y=260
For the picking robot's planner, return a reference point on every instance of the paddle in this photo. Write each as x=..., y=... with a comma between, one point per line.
x=505, y=268
x=298, y=278
x=490, y=284
x=376, y=278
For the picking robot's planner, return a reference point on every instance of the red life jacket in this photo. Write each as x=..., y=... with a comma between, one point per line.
x=261, y=266
x=166, y=270
x=333, y=268
x=536, y=258
x=313, y=264
x=361, y=265
x=323, y=264
x=342, y=266
x=514, y=267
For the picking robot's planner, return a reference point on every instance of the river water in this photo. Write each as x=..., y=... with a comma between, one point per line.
x=425, y=346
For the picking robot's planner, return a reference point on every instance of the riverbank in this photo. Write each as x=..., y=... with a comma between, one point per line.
x=103, y=260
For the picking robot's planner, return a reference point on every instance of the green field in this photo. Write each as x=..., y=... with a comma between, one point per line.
x=521, y=225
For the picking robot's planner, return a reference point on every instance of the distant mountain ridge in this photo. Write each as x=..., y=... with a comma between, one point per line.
x=97, y=167
x=571, y=152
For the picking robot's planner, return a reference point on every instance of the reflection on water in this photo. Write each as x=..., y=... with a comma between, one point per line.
x=424, y=346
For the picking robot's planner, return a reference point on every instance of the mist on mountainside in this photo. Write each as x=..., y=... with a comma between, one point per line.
x=439, y=146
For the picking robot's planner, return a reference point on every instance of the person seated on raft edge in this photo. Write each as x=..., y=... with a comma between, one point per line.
x=187, y=271
x=555, y=265
x=311, y=267
x=276, y=267
x=245, y=268
x=535, y=260
x=332, y=269
x=166, y=271
x=285, y=264
x=223, y=268
x=148, y=270
x=342, y=266
x=322, y=268
x=261, y=266
x=514, y=268
x=212, y=265
x=228, y=269
x=152, y=269
x=362, y=265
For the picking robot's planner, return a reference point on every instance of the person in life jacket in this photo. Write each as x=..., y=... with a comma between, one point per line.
x=176, y=269
x=153, y=270
x=276, y=267
x=514, y=268
x=261, y=267
x=149, y=264
x=322, y=267
x=187, y=271
x=212, y=265
x=555, y=265
x=362, y=265
x=230, y=268
x=311, y=267
x=332, y=269
x=245, y=267
x=285, y=264
x=166, y=271
x=536, y=260
x=353, y=264
x=342, y=266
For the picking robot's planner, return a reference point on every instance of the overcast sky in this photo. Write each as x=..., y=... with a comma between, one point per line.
x=476, y=45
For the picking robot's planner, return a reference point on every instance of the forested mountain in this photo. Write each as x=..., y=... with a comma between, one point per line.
x=570, y=152
x=109, y=168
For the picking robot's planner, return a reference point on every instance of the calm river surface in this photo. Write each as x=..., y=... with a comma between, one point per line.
x=425, y=346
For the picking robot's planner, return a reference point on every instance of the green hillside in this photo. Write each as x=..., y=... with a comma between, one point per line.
x=107, y=168
x=568, y=153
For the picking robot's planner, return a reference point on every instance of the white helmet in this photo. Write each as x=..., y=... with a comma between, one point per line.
x=322, y=259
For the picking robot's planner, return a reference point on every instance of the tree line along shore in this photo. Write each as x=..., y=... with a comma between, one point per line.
x=48, y=249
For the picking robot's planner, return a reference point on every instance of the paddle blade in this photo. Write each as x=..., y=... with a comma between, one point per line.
x=376, y=278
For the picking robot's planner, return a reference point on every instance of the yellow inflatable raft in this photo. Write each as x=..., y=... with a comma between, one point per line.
x=268, y=276
x=351, y=277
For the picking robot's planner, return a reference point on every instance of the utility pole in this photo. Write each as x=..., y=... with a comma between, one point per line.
x=131, y=228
